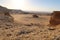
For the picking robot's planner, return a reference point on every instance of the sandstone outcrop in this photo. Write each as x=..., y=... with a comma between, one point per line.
x=55, y=18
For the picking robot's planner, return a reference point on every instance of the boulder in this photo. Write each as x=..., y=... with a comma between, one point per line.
x=55, y=18
x=35, y=16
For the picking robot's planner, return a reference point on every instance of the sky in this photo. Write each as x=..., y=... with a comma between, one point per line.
x=32, y=5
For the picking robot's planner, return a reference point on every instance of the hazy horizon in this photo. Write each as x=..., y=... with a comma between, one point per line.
x=32, y=5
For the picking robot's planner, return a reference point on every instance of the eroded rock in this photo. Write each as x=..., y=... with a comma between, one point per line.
x=55, y=18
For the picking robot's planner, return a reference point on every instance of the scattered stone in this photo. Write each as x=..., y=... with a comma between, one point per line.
x=31, y=24
x=57, y=38
x=9, y=35
x=51, y=29
x=6, y=28
x=23, y=32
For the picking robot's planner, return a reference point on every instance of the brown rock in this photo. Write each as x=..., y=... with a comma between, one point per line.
x=35, y=16
x=55, y=18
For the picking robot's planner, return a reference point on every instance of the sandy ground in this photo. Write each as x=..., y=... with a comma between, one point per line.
x=26, y=27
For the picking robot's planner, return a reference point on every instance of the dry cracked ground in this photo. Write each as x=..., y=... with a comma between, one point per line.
x=26, y=27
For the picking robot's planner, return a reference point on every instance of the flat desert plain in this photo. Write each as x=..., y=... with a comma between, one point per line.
x=26, y=27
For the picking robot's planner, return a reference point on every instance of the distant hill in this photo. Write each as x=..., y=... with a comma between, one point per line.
x=35, y=12
x=15, y=11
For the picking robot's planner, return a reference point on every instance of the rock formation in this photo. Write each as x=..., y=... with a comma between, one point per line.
x=55, y=18
x=4, y=15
